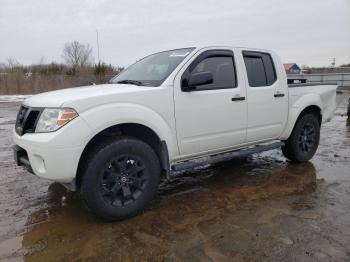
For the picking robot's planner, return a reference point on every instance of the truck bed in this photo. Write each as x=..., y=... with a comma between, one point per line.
x=323, y=95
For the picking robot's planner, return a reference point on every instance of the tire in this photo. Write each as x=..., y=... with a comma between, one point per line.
x=120, y=178
x=303, y=142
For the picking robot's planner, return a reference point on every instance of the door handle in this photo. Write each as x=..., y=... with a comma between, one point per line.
x=238, y=98
x=278, y=95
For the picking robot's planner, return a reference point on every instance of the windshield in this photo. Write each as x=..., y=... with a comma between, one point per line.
x=153, y=69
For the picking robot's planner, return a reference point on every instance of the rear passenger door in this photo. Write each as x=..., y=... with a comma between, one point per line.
x=267, y=97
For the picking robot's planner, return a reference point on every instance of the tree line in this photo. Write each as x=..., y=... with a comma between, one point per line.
x=77, y=59
x=77, y=69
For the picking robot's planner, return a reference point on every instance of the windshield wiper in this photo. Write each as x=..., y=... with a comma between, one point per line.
x=132, y=82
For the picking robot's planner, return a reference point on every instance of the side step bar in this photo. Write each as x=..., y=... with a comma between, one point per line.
x=224, y=156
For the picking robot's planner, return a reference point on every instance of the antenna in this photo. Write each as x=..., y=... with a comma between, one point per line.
x=98, y=46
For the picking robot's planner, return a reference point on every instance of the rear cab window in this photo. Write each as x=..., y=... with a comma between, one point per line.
x=260, y=68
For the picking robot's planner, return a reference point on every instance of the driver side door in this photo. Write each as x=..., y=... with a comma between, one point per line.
x=211, y=116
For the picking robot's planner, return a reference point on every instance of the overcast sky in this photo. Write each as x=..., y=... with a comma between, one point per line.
x=303, y=31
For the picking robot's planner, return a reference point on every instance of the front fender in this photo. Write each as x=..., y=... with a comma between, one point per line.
x=296, y=107
x=104, y=116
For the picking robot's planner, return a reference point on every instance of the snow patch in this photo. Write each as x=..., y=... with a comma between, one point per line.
x=13, y=98
x=6, y=121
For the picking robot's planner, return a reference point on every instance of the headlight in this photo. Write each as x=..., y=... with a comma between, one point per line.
x=52, y=119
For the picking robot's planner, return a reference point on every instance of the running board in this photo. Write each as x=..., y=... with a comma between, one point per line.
x=190, y=164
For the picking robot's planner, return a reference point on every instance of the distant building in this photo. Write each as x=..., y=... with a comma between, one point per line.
x=292, y=68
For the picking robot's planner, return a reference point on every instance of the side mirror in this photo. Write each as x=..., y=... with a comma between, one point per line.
x=198, y=79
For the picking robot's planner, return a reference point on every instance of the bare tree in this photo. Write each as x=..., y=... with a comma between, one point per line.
x=12, y=63
x=77, y=54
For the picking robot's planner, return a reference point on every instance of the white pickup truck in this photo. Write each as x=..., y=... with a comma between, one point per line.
x=169, y=111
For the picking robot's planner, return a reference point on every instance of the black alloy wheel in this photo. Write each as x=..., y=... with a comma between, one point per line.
x=303, y=141
x=307, y=138
x=123, y=180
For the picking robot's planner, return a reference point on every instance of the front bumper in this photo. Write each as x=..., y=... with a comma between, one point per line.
x=21, y=158
x=54, y=156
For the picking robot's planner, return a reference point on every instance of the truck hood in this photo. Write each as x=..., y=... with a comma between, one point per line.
x=73, y=96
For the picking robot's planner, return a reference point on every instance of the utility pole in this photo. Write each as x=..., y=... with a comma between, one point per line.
x=98, y=46
x=333, y=62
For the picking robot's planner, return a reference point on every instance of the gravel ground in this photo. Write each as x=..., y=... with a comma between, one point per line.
x=261, y=208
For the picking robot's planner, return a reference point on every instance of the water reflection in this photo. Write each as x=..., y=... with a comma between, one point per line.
x=66, y=230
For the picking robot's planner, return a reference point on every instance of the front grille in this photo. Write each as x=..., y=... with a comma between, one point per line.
x=26, y=120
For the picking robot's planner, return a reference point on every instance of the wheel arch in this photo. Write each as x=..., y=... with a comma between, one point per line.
x=134, y=130
x=298, y=112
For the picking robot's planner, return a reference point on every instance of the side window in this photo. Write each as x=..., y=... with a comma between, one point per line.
x=260, y=69
x=217, y=66
x=269, y=69
x=222, y=70
x=255, y=71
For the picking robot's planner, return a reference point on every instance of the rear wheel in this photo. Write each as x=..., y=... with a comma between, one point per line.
x=120, y=179
x=303, y=142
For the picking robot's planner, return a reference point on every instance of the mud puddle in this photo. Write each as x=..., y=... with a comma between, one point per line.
x=261, y=208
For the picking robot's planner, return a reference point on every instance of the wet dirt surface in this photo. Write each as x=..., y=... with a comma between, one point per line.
x=262, y=208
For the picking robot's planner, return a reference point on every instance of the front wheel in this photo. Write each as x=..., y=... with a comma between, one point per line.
x=120, y=179
x=303, y=142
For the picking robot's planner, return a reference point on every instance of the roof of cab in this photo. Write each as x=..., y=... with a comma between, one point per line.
x=235, y=47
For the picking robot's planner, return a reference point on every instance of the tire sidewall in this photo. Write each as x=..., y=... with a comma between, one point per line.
x=294, y=141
